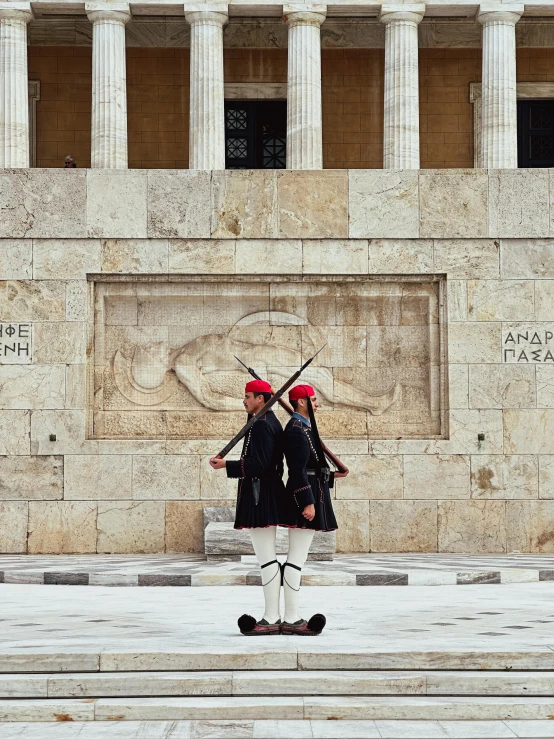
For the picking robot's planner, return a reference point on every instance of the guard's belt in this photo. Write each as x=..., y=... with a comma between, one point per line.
x=326, y=475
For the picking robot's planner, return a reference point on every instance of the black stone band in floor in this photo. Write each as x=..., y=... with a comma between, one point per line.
x=369, y=578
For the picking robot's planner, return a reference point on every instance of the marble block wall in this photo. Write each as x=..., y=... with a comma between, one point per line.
x=482, y=482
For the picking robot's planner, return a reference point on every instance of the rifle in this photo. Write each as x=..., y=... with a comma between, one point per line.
x=342, y=469
x=274, y=398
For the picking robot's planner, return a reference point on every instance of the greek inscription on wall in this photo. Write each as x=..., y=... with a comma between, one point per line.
x=16, y=343
x=164, y=355
x=528, y=344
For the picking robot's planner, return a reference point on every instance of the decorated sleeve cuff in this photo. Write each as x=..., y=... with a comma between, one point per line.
x=234, y=468
x=304, y=496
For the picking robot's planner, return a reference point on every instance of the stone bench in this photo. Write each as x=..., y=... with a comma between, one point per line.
x=223, y=542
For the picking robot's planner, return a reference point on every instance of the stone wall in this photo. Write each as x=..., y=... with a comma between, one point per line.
x=488, y=486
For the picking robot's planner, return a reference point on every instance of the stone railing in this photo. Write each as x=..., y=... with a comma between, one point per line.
x=329, y=204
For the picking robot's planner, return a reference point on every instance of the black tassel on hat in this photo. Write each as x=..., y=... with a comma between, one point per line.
x=321, y=462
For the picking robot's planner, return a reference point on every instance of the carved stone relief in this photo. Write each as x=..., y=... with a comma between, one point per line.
x=164, y=354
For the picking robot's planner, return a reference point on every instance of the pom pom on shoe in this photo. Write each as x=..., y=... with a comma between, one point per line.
x=246, y=623
x=317, y=623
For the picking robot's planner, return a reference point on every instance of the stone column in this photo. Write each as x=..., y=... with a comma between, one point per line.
x=304, y=127
x=109, y=85
x=14, y=103
x=401, y=115
x=207, y=111
x=499, y=95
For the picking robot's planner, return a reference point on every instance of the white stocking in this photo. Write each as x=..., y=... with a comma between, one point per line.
x=300, y=541
x=263, y=541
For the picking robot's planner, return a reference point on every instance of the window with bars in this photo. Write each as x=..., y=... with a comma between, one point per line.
x=535, y=133
x=255, y=134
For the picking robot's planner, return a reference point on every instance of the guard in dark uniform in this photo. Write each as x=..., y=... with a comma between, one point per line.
x=260, y=496
x=307, y=506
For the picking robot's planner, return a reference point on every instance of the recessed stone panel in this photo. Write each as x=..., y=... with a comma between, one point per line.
x=164, y=361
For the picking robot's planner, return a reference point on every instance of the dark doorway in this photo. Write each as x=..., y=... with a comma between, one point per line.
x=255, y=134
x=535, y=133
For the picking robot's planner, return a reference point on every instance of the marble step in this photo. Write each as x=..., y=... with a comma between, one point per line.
x=331, y=708
x=280, y=683
x=286, y=656
x=274, y=729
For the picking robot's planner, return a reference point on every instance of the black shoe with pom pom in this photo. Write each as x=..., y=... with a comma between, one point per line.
x=313, y=627
x=250, y=627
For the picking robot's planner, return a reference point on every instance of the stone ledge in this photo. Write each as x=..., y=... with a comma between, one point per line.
x=223, y=541
x=329, y=204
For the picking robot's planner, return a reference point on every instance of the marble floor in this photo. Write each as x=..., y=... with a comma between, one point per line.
x=82, y=629
x=344, y=570
x=76, y=619
x=281, y=730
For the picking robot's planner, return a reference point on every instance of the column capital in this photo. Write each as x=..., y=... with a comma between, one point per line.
x=216, y=13
x=306, y=14
x=16, y=12
x=407, y=12
x=118, y=12
x=509, y=13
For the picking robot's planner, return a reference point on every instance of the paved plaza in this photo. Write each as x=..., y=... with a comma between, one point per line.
x=283, y=730
x=515, y=618
x=114, y=662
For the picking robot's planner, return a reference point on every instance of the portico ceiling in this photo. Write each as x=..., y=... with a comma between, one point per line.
x=267, y=8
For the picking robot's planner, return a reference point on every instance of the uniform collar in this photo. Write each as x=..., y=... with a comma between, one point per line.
x=300, y=417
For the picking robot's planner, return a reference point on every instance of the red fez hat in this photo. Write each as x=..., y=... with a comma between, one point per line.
x=258, y=387
x=301, y=391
